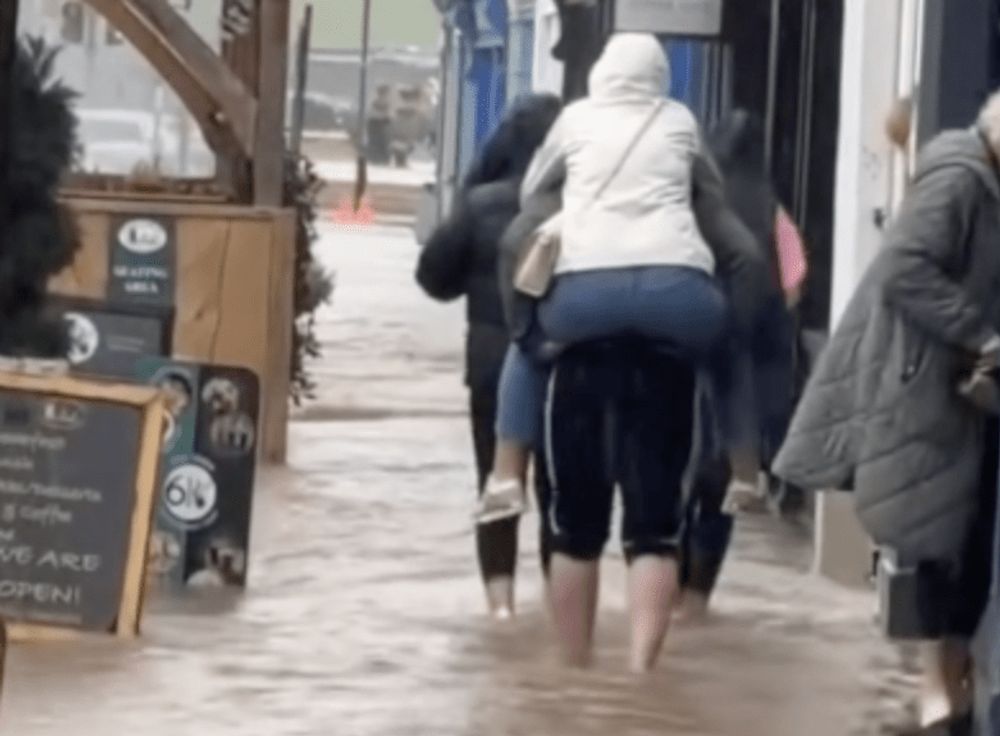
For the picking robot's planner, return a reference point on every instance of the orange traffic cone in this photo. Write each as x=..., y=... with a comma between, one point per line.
x=345, y=214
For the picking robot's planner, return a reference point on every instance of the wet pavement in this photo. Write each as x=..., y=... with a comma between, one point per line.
x=364, y=615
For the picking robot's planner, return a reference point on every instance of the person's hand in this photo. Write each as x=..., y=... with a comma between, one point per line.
x=981, y=390
x=989, y=356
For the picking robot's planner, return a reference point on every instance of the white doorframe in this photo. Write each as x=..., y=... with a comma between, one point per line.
x=881, y=56
x=908, y=69
x=547, y=72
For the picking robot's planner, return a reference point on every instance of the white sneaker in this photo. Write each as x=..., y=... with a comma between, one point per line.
x=502, y=499
x=743, y=497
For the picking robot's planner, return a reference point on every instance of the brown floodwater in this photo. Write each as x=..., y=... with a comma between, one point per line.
x=364, y=616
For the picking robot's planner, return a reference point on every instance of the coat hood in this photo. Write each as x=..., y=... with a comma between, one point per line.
x=633, y=65
x=507, y=153
x=977, y=148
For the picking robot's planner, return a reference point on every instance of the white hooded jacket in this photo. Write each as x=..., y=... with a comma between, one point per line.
x=644, y=217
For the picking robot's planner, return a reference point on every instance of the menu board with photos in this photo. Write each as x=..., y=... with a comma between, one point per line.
x=202, y=534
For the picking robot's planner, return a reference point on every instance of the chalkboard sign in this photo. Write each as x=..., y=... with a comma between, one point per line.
x=78, y=468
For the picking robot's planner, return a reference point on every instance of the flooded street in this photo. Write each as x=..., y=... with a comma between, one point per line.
x=364, y=615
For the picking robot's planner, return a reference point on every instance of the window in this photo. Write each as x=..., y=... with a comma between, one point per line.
x=73, y=22
x=129, y=117
x=109, y=130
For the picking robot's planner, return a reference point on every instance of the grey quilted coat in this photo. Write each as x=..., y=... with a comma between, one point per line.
x=881, y=414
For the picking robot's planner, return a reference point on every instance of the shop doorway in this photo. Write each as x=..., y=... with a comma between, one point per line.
x=785, y=66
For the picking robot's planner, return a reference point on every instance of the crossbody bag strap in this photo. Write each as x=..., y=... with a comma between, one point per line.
x=657, y=109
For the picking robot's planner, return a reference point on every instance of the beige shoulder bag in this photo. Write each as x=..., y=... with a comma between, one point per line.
x=540, y=251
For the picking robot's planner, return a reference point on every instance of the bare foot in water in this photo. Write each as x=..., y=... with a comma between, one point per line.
x=693, y=608
x=500, y=598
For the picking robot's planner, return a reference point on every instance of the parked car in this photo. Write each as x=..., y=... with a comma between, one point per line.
x=116, y=142
x=325, y=113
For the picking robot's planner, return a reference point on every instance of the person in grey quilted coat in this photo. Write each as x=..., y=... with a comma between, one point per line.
x=901, y=407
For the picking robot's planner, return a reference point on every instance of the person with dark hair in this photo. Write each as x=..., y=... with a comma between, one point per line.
x=755, y=372
x=461, y=259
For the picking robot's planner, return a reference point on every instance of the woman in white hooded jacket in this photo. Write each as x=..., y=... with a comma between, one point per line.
x=633, y=260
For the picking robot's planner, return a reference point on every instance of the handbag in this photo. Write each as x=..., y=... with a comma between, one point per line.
x=540, y=251
x=539, y=256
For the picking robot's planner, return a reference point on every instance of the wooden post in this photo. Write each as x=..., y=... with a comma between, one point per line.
x=269, y=156
x=301, y=80
x=361, y=178
x=240, y=52
x=241, y=55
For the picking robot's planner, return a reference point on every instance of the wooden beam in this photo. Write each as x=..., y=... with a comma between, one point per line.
x=269, y=155
x=241, y=52
x=224, y=108
x=241, y=55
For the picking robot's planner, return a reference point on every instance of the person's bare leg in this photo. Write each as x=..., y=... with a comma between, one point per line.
x=510, y=461
x=653, y=587
x=504, y=496
x=573, y=591
x=500, y=597
x=693, y=607
x=945, y=691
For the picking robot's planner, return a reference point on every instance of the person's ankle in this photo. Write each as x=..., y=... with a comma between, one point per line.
x=935, y=707
x=641, y=664
x=502, y=479
x=692, y=608
x=500, y=597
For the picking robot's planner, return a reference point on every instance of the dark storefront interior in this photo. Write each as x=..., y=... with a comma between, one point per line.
x=806, y=110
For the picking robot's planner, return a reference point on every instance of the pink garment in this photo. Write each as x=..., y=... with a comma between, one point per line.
x=791, y=252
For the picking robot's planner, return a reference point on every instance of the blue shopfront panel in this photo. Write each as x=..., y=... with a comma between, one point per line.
x=687, y=64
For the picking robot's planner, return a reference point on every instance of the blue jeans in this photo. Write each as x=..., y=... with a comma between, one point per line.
x=681, y=306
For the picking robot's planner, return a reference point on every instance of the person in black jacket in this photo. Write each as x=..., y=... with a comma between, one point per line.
x=757, y=372
x=461, y=259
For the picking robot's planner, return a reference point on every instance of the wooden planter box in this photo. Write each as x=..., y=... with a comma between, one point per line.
x=234, y=289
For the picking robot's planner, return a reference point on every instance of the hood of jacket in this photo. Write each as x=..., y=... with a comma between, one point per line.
x=508, y=151
x=633, y=65
x=969, y=149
